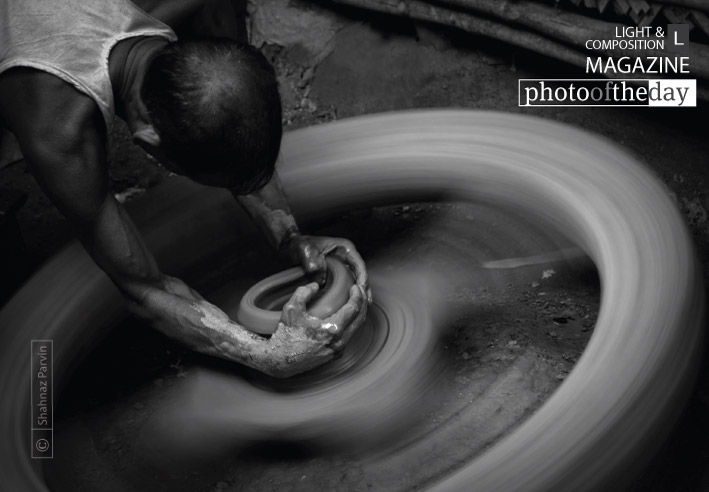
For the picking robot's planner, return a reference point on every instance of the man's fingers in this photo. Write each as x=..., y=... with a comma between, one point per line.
x=295, y=307
x=360, y=271
x=312, y=259
x=339, y=248
x=354, y=322
x=341, y=320
x=346, y=251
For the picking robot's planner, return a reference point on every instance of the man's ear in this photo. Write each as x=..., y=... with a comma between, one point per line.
x=147, y=138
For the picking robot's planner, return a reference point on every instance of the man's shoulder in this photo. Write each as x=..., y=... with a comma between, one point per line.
x=40, y=107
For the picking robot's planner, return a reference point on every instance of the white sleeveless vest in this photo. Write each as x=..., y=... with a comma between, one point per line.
x=72, y=40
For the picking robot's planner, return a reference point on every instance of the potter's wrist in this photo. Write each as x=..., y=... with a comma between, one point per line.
x=281, y=227
x=238, y=344
x=254, y=355
x=289, y=240
x=266, y=358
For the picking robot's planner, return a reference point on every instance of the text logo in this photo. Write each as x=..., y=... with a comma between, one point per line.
x=41, y=399
x=616, y=92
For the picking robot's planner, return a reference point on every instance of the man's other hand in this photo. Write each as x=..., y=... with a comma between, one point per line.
x=302, y=342
x=310, y=252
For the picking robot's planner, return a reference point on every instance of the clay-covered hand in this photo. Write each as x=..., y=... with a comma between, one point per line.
x=302, y=342
x=310, y=252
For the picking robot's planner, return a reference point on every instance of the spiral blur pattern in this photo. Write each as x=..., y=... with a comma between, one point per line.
x=625, y=391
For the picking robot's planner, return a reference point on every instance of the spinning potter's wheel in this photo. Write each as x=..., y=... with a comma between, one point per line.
x=260, y=311
x=612, y=409
x=357, y=396
x=360, y=398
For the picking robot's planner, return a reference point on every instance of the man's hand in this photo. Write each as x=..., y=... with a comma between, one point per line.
x=303, y=342
x=269, y=209
x=310, y=252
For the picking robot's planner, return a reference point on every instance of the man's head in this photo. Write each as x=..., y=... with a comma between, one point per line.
x=216, y=112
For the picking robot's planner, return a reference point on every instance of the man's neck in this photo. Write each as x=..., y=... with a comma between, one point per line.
x=127, y=65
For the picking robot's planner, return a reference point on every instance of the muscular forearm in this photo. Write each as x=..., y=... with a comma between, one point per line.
x=165, y=302
x=181, y=314
x=269, y=208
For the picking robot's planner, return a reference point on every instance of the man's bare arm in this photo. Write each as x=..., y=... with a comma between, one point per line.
x=268, y=207
x=62, y=136
x=270, y=211
x=68, y=161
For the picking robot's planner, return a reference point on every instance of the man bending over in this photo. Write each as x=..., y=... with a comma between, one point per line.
x=206, y=109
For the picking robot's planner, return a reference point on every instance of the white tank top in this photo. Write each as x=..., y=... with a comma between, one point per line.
x=72, y=40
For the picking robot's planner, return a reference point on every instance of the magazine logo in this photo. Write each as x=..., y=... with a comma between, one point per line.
x=619, y=92
x=633, y=52
x=641, y=50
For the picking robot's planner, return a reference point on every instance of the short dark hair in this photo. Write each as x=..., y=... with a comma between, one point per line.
x=216, y=107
